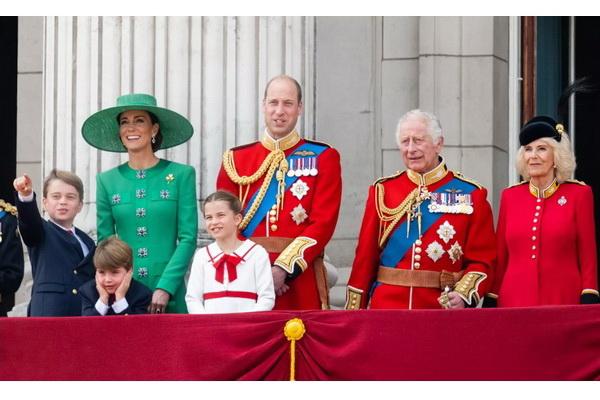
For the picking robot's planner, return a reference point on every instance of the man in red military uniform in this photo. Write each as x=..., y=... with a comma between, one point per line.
x=427, y=236
x=290, y=189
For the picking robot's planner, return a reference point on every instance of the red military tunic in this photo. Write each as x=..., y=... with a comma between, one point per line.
x=308, y=215
x=546, y=245
x=457, y=242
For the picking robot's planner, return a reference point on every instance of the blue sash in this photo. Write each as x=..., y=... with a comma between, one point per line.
x=398, y=244
x=2, y=212
x=271, y=194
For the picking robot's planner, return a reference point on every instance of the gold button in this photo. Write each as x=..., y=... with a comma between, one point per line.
x=75, y=272
x=532, y=247
x=418, y=250
x=534, y=228
x=272, y=212
x=417, y=265
x=537, y=214
x=418, y=257
x=538, y=207
x=74, y=291
x=353, y=302
x=533, y=256
x=273, y=227
x=274, y=207
x=539, y=200
x=272, y=219
x=533, y=238
x=535, y=220
x=418, y=242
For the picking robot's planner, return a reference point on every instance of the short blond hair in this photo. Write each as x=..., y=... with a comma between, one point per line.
x=564, y=159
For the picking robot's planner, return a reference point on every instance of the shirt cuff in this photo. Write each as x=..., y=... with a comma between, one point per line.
x=120, y=305
x=101, y=307
x=25, y=199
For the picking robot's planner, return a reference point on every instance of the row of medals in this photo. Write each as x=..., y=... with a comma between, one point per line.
x=303, y=167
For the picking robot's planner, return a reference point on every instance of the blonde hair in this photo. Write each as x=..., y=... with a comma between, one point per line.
x=564, y=159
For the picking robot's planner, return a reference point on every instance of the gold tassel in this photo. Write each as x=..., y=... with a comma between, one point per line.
x=293, y=330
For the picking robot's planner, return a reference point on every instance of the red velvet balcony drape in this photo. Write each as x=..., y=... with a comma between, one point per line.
x=545, y=343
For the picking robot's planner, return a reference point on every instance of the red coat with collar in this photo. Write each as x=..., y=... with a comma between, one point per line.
x=474, y=233
x=546, y=247
x=322, y=205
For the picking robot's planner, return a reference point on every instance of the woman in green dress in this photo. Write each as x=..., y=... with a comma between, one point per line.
x=149, y=202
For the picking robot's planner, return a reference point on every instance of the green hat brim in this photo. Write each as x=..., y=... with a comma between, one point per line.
x=101, y=130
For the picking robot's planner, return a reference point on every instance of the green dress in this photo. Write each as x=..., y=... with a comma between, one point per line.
x=155, y=212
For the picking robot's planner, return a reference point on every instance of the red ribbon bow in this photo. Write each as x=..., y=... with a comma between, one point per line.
x=229, y=261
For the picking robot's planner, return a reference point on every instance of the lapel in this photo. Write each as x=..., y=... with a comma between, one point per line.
x=71, y=240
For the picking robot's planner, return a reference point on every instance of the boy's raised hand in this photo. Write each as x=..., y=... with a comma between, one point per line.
x=101, y=291
x=124, y=286
x=23, y=185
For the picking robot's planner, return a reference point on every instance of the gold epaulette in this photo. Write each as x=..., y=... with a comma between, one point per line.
x=9, y=208
x=517, y=184
x=385, y=178
x=460, y=176
x=575, y=181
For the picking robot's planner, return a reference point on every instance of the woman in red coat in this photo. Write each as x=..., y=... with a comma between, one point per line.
x=546, y=236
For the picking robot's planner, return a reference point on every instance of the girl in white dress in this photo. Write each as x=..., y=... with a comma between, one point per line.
x=229, y=275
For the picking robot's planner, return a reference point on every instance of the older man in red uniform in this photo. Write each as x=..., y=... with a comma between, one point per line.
x=290, y=188
x=427, y=236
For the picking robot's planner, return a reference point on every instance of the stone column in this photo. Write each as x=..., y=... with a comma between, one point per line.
x=463, y=79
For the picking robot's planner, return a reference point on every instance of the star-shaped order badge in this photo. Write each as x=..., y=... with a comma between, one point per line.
x=455, y=252
x=299, y=214
x=299, y=189
x=446, y=231
x=435, y=251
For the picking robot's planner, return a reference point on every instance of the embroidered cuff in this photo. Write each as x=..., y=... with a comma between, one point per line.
x=590, y=291
x=467, y=287
x=353, y=298
x=101, y=307
x=120, y=305
x=294, y=254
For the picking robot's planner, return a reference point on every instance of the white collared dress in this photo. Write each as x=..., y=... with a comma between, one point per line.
x=251, y=290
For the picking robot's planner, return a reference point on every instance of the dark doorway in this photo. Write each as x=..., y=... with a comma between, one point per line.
x=587, y=108
x=8, y=105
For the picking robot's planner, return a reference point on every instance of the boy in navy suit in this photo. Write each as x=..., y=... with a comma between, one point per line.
x=60, y=254
x=114, y=292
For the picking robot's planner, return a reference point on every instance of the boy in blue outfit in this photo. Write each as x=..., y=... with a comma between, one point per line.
x=114, y=292
x=60, y=254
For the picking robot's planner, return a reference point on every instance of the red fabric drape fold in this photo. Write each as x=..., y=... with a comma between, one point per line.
x=544, y=343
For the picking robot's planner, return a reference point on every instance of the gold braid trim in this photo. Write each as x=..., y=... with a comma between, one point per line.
x=229, y=166
x=467, y=286
x=353, y=298
x=387, y=214
x=6, y=206
x=275, y=158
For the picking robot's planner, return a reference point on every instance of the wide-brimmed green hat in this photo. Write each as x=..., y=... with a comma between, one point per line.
x=101, y=130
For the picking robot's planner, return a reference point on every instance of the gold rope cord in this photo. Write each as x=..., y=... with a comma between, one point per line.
x=294, y=330
x=274, y=161
x=390, y=217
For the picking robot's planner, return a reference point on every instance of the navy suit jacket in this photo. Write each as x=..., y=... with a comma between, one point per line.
x=11, y=261
x=138, y=297
x=57, y=263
